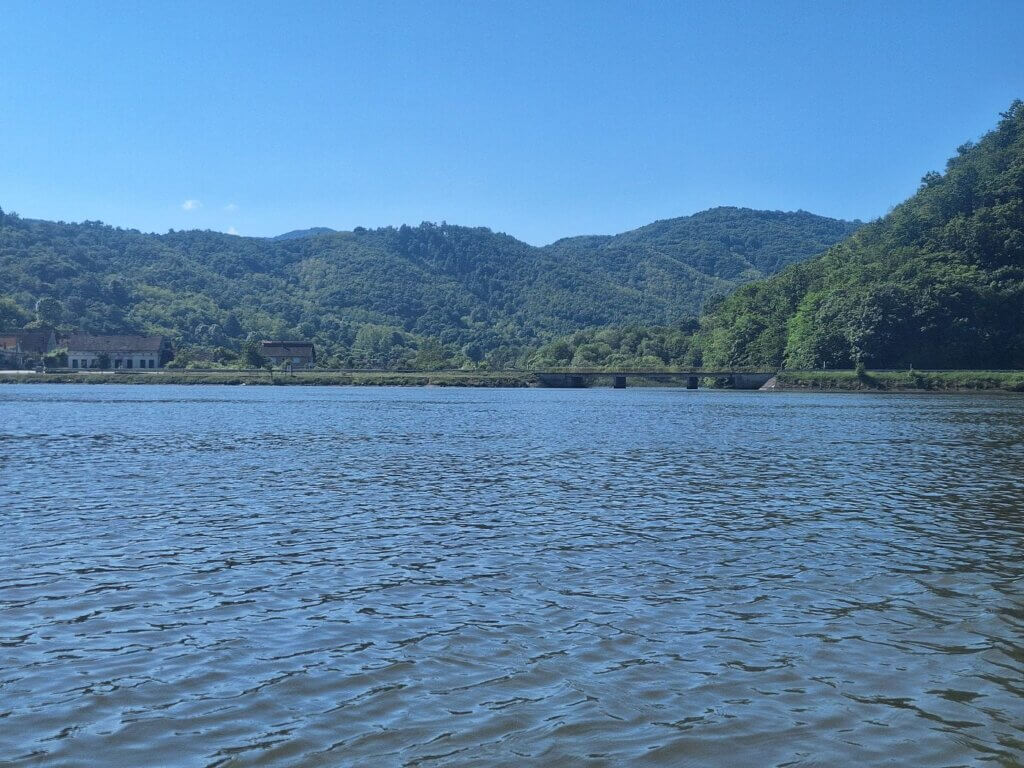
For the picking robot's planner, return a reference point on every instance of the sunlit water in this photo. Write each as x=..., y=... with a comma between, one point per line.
x=377, y=577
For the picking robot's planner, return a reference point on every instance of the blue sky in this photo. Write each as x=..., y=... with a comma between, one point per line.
x=542, y=120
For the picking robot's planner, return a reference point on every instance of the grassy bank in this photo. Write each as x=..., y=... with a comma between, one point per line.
x=902, y=381
x=826, y=381
x=262, y=378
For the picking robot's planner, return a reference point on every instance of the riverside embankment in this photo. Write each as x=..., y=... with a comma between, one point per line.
x=265, y=378
x=900, y=381
x=799, y=381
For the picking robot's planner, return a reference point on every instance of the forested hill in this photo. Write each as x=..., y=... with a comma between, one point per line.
x=937, y=283
x=297, y=233
x=714, y=249
x=392, y=296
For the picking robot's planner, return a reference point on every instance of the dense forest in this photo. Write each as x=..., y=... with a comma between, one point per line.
x=631, y=346
x=427, y=297
x=937, y=283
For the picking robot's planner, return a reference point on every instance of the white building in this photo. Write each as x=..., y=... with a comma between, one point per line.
x=128, y=353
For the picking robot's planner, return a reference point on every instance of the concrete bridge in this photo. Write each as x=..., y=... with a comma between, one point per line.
x=618, y=379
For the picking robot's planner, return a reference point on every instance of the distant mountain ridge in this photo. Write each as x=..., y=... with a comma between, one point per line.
x=390, y=296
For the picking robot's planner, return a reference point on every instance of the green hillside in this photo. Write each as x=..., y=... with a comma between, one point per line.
x=422, y=296
x=937, y=283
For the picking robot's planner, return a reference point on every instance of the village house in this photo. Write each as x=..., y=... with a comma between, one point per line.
x=21, y=347
x=292, y=354
x=117, y=352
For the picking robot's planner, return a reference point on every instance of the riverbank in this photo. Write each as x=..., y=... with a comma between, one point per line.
x=900, y=381
x=786, y=381
x=263, y=378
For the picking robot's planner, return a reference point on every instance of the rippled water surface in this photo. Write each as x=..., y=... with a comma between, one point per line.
x=377, y=577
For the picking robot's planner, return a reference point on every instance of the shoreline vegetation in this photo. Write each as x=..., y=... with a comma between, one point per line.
x=786, y=381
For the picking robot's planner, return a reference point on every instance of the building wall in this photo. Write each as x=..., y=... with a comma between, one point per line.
x=139, y=360
x=297, y=361
x=12, y=357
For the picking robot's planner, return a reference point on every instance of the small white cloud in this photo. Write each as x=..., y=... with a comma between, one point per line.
x=232, y=231
x=191, y=205
x=230, y=207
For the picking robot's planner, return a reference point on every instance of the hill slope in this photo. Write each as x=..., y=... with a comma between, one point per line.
x=937, y=283
x=311, y=232
x=390, y=296
x=684, y=261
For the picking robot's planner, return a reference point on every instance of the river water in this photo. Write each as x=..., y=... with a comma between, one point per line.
x=381, y=577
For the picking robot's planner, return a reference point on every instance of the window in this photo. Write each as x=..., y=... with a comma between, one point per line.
x=74, y=363
x=128, y=363
x=152, y=363
x=117, y=363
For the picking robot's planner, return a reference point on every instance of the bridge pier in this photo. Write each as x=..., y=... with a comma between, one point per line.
x=748, y=380
x=620, y=382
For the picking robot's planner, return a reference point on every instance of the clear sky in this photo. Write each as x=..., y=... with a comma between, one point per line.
x=541, y=119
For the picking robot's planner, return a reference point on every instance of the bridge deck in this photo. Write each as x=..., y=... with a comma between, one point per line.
x=583, y=378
